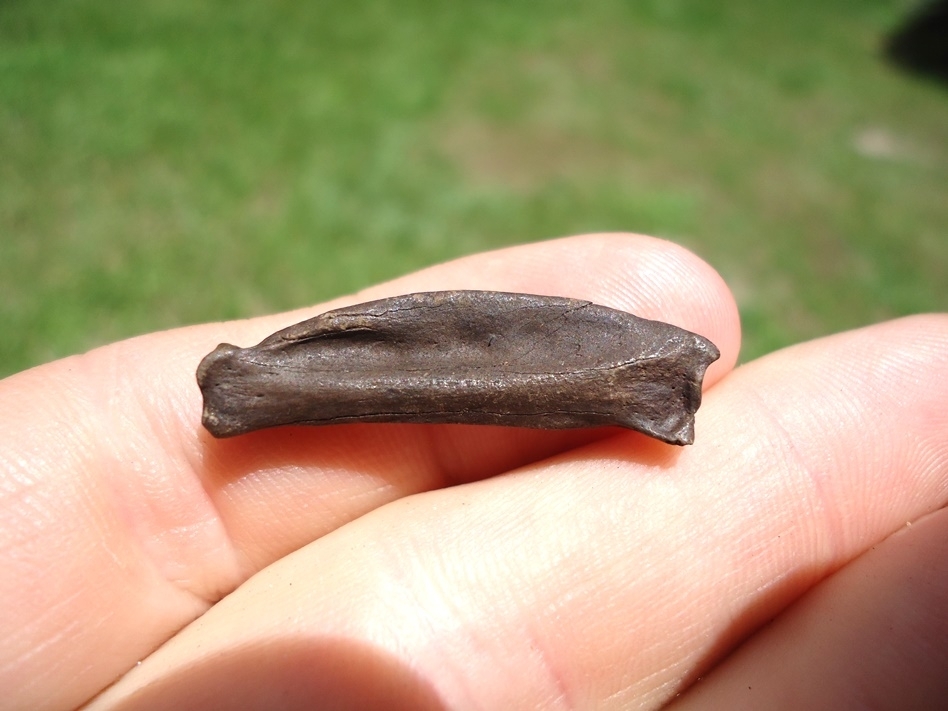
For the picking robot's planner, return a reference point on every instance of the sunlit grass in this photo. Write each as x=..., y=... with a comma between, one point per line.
x=166, y=162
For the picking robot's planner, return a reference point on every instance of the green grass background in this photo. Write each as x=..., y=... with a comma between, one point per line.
x=168, y=162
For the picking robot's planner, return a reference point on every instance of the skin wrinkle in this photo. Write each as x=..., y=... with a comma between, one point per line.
x=460, y=648
x=654, y=274
x=111, y=379
x=825, y=503
x=65, y=627
x=539, y=632
x=825, y=539
x=882, y=363
x=738, y=553
x=572, y=563
x=238, y=564
x=432, y=606
x=562, y=697
x=227, y=496
x=906, y=365
x=28, y=503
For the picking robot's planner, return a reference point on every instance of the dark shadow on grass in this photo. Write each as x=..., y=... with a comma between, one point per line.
x=920, y=45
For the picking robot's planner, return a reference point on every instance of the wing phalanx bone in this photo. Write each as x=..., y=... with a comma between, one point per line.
x=473, y=357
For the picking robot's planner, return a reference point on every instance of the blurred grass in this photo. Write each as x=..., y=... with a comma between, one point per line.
x=164, y=163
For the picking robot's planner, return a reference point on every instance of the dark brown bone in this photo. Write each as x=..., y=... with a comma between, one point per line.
x=474, y=357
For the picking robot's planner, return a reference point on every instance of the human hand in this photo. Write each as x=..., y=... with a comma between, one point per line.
x=392, y=566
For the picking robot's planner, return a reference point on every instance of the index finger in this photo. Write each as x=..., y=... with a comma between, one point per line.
x=121, y=513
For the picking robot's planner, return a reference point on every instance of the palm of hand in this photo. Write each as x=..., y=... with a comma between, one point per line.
x=390, y=566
